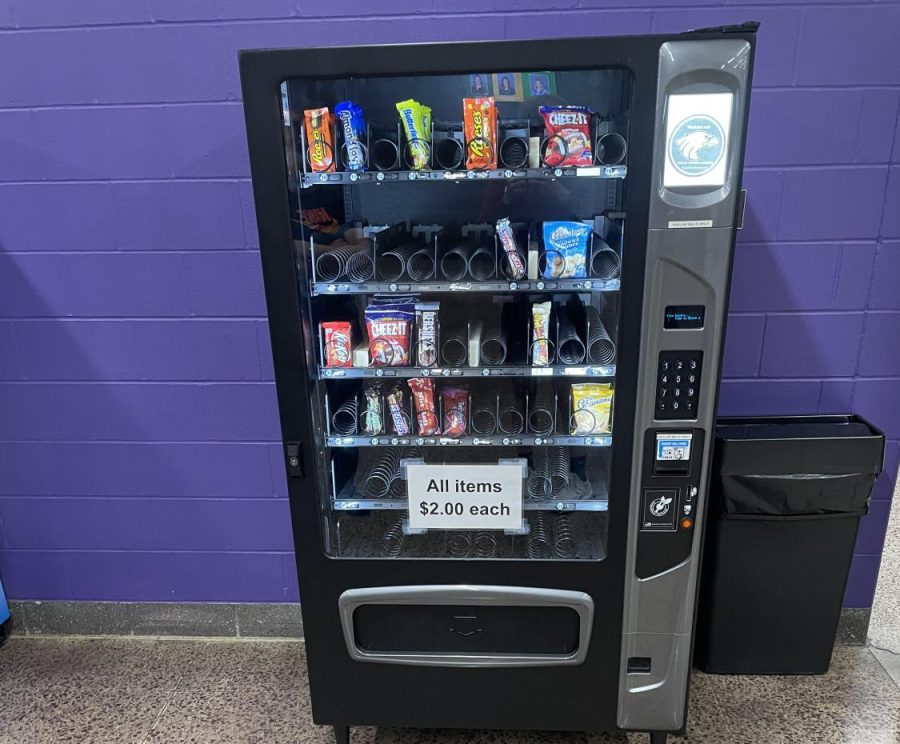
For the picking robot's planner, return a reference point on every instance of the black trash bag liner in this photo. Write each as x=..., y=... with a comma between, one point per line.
x=795, y=494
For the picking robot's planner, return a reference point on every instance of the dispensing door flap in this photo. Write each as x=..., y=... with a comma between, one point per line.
x=467, y=625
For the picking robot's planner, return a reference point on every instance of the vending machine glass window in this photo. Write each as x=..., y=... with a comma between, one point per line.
x=458, y=243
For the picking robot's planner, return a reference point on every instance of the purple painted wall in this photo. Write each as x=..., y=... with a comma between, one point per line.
x=138, y=428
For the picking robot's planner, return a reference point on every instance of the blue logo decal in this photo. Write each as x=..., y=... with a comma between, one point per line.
x=697, y=145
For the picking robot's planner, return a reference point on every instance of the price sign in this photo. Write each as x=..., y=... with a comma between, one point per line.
x=465, y=497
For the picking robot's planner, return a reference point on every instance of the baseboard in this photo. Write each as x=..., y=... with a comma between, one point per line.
x=853, y=627
x=225, y=620
x=202, y=619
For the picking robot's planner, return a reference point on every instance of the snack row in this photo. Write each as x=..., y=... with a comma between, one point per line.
x=424, y=407
x=406, y=332
x=566, y=140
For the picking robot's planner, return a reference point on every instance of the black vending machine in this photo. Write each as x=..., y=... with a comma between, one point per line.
x=497, y=278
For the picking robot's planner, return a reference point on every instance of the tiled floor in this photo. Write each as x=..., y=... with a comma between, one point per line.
x=884, y=627
x=94, y=691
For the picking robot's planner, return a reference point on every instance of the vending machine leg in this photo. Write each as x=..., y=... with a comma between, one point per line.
x=658, y=737
x=341, y=734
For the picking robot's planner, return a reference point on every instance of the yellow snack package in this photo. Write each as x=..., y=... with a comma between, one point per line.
x=591, y=408
x=416, y=120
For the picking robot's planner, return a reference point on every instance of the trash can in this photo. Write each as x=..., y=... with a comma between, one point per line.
x=786, y=498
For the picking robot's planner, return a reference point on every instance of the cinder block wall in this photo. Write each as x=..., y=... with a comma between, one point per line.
x=138, y=427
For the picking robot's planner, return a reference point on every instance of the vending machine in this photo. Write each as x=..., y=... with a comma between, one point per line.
x=497, y=276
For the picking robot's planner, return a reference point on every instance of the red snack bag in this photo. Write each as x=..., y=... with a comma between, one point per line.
x=338, y=343
x=390, y=329
x=456, y=414
x=480, y=129
x=568, y=131
x=423, y=395
x=319, y=144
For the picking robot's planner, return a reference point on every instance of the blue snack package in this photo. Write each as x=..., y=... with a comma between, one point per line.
x=565, y=250
x=353, y=127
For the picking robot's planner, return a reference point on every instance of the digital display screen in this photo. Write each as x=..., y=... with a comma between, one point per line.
x=684, y=316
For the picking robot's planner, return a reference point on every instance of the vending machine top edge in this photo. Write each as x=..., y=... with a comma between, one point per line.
x=497, y=279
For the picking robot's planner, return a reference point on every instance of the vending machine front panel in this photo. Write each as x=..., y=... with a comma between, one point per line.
x=457, y=280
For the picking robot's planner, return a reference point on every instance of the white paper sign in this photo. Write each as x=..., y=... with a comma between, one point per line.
x=697, y=129
x=465, y=497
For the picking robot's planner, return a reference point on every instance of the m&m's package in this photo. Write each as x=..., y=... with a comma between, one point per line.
x=568, y=132
x=353, y=128
x=480, y=127
x=565, y=250
x=319, y=142
x=456, y=404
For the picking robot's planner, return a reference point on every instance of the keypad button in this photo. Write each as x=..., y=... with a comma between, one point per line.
x=693, y=364
x=675, y=406
x=677, y=392
x=661, y=406
x=663, y=392
x=690, y=392
x=664, y=366
x=679, y=364
x=664, y=380
x=692, y=378
x=677, y=379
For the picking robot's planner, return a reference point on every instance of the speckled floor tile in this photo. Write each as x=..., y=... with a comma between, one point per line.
x=890, y=660
x=80, y=714
x=57, y=691
x=884, y=624
x=854, y=675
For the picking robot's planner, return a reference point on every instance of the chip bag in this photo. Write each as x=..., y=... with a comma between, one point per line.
x=416, y=120
x=568, y=131
x=565, y=250
x=456, y=403
x=591, y=408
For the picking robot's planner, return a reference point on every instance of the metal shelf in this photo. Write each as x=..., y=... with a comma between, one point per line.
x=350, y=504
x=499, y=440
x=527, y=285
x=578, y=370
x=409, y=176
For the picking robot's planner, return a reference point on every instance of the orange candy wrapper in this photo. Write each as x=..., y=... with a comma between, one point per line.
x=480, y=128
x=319, y=142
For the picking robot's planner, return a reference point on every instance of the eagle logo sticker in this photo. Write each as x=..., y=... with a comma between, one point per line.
x=696, y=145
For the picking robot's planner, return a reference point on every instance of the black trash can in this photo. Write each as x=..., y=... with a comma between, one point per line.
x=785, y=503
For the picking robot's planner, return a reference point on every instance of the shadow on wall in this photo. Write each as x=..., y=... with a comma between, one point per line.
x=114, y=486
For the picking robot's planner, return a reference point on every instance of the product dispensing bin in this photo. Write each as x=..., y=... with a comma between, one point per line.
x=786, y=500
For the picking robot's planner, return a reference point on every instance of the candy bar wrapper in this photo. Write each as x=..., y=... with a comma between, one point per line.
x=390, y=330
x=456, y=404
x=565, y=248
x=540, y=341
x=426, y=413
x=396, y=402
x=514, y=259
x=373, y=421
x=319, y=142
x=591, y=408
x=427, y=328
x=568, y=130
x=353, y=126
x=480, y=129
x=337, y=335
x=414, y=117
